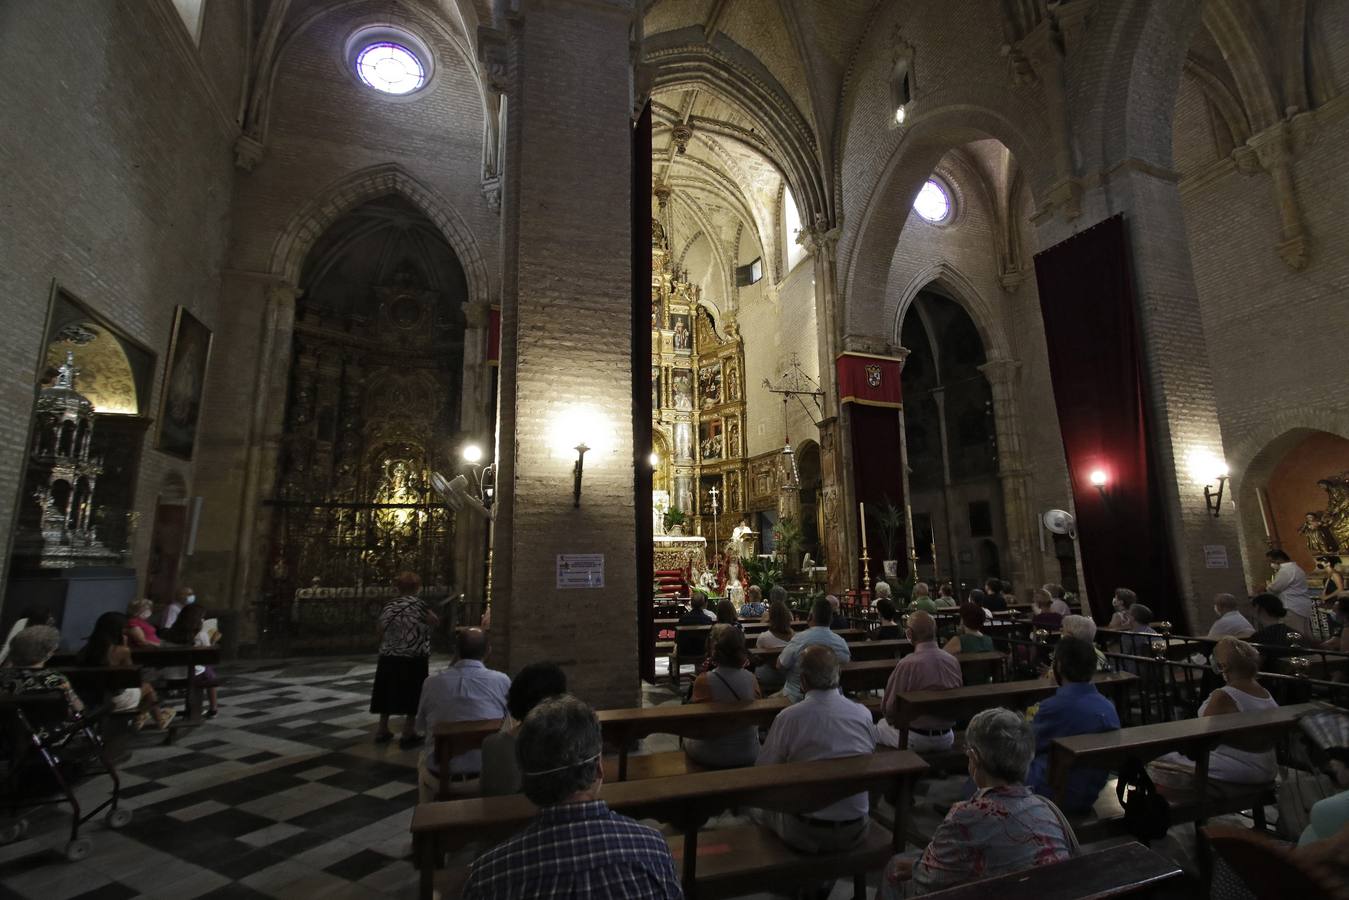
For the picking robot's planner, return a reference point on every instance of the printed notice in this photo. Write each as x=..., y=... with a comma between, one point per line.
x=580, y=570
x=1215, y=556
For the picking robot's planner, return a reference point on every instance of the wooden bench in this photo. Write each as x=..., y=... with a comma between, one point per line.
x=964, y=702
x=1121, y=871
x=688, y=632
x=162, y=657
x=860, y=651
x=872, y=675
x=1195, y=738
x=758, y=861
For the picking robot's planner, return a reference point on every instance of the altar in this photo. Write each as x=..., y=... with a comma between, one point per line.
x=680, y=552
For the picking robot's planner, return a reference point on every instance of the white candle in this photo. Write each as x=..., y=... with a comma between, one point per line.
x=862, y=514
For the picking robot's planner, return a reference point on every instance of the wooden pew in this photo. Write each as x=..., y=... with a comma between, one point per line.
x=872, y=675
x=677, y=661
x=890, y=649
x=167, y=656
x=759, y=860
x=1120, y=871
x=1193, y=737
x=963, y=702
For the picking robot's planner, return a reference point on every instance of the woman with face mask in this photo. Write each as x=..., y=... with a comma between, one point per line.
x=185, y=597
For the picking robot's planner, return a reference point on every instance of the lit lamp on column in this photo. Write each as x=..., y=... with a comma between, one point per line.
x=1100, y=480
x=577, y=470
x=1205, y=469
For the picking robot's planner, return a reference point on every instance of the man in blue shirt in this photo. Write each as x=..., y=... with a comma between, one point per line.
x=821, y=614
x=1076, y=708
x=576, y=848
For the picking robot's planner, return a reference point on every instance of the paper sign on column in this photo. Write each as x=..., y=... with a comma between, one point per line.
x=1215, y=556
x=580, y=570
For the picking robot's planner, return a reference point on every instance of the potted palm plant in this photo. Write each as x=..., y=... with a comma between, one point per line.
x=889, y=521
x=674, y=521
x=787, y=543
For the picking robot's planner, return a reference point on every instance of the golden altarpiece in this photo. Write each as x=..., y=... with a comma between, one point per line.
x=697, y=408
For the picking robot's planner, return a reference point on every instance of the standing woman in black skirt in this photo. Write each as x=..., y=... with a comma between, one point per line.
x=404, y=630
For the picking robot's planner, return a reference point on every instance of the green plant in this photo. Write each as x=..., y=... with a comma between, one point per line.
x=674, y=516
x=889, y=521
x=764, y=573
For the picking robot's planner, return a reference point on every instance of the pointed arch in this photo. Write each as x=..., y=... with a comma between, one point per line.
x=309, y=222
x=963, y=292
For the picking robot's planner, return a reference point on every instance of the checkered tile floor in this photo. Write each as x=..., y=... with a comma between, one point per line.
x=283, y=795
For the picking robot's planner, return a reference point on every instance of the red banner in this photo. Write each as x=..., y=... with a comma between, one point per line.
x=869, y=380
x=494, y=336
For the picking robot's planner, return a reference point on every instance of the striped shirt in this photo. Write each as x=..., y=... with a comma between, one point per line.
x=577, y=850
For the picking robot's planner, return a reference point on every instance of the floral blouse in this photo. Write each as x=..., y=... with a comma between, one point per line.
x=15, y=681
x=999, y=830
x=406, y=632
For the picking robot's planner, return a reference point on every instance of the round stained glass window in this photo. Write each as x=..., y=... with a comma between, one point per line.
x=391, y=68
x=932, y=202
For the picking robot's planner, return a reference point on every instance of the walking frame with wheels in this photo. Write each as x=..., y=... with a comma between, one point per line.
x=46, y=753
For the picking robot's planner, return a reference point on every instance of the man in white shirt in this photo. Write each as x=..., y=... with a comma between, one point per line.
x=789, y=660
x=1289, y=584
x=1230, y=621
x=467, y=691
x=825, y=725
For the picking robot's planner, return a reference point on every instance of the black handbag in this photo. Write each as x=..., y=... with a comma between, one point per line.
x=1147, y=815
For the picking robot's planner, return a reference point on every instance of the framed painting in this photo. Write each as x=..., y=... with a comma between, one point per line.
x=184, y=381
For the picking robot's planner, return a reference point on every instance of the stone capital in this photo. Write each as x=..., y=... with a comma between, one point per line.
x=1000, y=372
x=492, y=56
x=247, y=152
x=283, y=294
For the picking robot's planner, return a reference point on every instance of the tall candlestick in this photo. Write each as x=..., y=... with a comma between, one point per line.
x=862, y=514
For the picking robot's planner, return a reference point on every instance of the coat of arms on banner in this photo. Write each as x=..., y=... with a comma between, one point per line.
x=873, y=376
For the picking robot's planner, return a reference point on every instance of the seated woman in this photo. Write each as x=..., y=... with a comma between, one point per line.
x=1238, y=663
x=107, y=646
x=1004, y=828
x=1045, y=617
x=728, y=682
x=1084, y=627
x=189, y=630
x=970, y=639
x=1340, y=641
x=778, y=635
x=31, y=616
x=500, y=769
x=25, y=673
x=888, y=629
x=139, y=631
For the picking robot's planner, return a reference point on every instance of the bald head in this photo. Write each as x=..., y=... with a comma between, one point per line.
x=1224, y=603
x=922, y=627
x=471, y=643
x=819, y=668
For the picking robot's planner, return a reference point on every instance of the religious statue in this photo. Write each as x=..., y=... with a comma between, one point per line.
x=732, y=381
x=683, y=389
x=681, y=333
x=709, y=383
x=1320, y=539
x=1336, y=515
x=733, y=581
x=733, y=437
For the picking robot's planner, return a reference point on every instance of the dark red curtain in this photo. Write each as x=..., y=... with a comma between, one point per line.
x=1095, y=360
x=641, y=388
x=876, y=475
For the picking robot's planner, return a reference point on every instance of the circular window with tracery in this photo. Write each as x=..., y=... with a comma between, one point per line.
x=389, y=59
x=933, y=202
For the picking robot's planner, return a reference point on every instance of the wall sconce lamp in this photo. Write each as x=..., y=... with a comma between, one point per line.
x=1205, y=468
x=576, y=471
x=1101, y=481
x=1214, y=499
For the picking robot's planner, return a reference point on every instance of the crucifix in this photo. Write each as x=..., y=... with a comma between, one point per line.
x=714, y=493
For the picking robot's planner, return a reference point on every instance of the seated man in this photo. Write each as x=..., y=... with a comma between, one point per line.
x=1230, y=621
x=1139, y=641
x=993, y=596
x=1122, y=603
x=754, y=607
x=467, y=691
x=837, y=620
x=692, y=645
x=818, y=632
x=825, y=725
x=1076, y=708
x=922, y=599
x=927, y=668
x=1084, y=628
x=575, y=848
x=888, y=629
x=945, y=598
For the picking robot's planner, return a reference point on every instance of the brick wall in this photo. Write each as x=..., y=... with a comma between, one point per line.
x=115, y=169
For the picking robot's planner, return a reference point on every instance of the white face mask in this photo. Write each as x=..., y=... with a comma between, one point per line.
x=190, y=599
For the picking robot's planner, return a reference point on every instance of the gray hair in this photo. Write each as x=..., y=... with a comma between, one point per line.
x=819, y=668
x=1142, y=615
x=33, y=645
x=883, y=589
x=1225, y=602
x=1083, y=627
x=558, y=749
x=1003, y=742
x=777, y=592
x=921, y=590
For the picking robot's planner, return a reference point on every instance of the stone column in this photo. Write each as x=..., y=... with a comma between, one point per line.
x=939, y=397
x=1180, y=391
x=1024, y=565
x=566, y=345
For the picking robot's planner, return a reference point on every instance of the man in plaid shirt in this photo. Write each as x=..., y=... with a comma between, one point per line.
x=576, y=847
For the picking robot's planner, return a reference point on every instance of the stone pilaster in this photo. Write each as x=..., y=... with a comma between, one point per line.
x=1026, y=566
